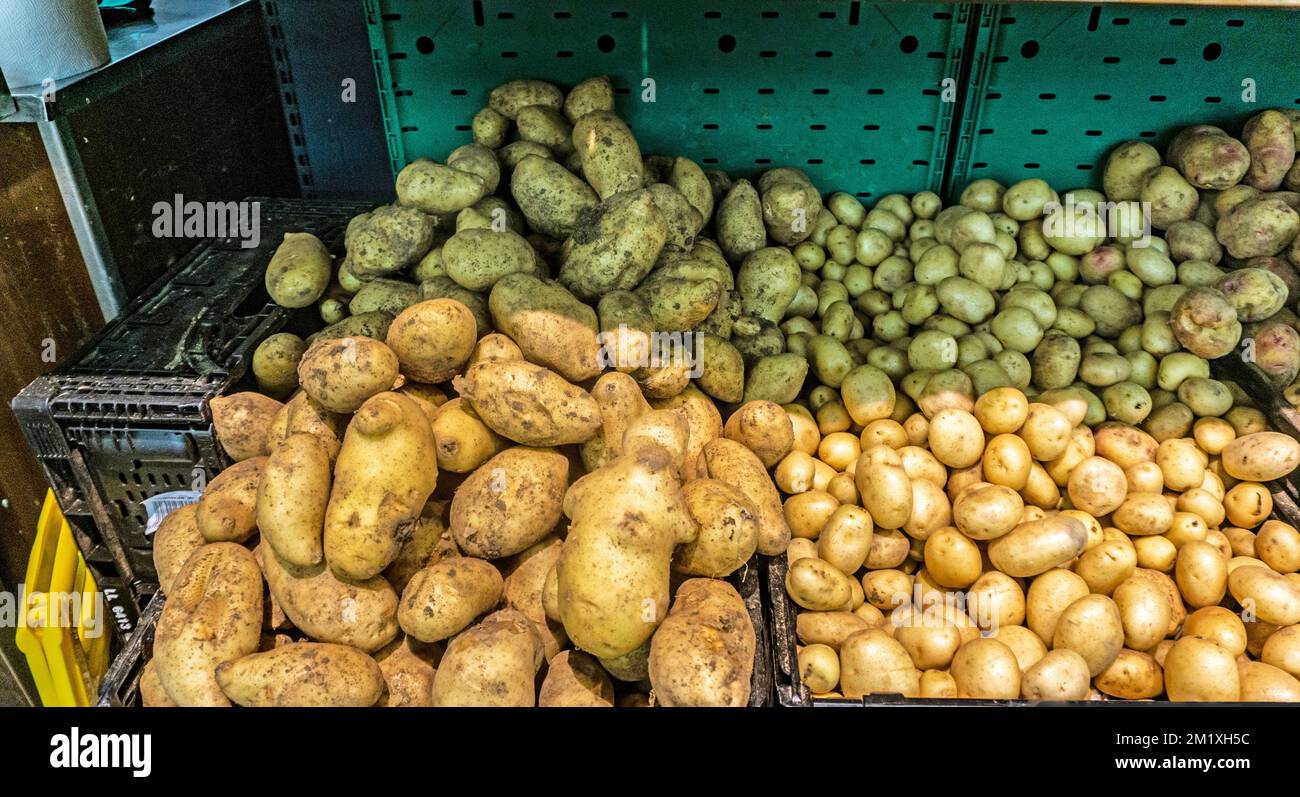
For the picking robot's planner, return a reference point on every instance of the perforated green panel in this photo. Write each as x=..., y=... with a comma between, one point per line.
x=850, y=92
x=1063, y=85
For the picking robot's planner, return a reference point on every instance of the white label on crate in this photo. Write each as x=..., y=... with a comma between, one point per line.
x=160, y=506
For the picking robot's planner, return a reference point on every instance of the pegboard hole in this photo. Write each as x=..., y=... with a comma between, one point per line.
x=564, y=54
x=1236, y=23
x=1212, y=51
x=424, y=45
x=816, y=127
x=1147, y=134
x=821, y=91
x=763, y=127
x=605, y=43
x=1092, y=133
x=1213, y=100
x=1029, y=49
x=908, y=44
x=767, y=91
x=1178, y=22
x=710, y=161
x=814, y=161
x=1084, y=167
x=1110, y=59
x=1038, y=132
x=1101, y=97
x=762, y=161
x=711, y=91
x=1047, y=96
x=713, y=15
x=824, y=53
x=770, y=14
x=871, y=127
x=767, y=54
x=726, y=42
x=1157, y=98
x=1168, y=61
x=710, y=126
x=867, y=162
x=1033, y=165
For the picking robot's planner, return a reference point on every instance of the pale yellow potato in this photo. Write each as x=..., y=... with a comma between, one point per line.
x=886, y=492
x=952, y=559
x=493, y=663
x=1098, y=486
x=1277, y=544
x=1025, y=644
x=1046, y=431
x=817, y=585
x=1002, y=410
x=1248, y=504
x=703, y=653
x=1197, y=669
x=359, y=614
x=819, y=668
x=341, y=374
x=1261, y=456
x=1282, y=650
x=1145, y=477
x=1107, y=565
x=177, y=537
x=887, y=589
x=735, y=464
x=889, y=548
x=433, y=339
x=1131, y=676
x=529, y=404
x=1261, y=682
x=1123, y=444
x=1091, y=627
x=1273, y=597
x=873, y=662
x=930, y=642
x=996, y=600
x=1144, y=514
x=1049, y=595
x=509, y=503
x=987, y=511
x=937, y=683
x=807, y=513
x=1038, y=546
x=986, y=669
x=832, y=628
x=1144, y=612
x=1201, y=574
x=1204, y=503
x=956, y=437
x=243, y=423
x=764, y=428
x=930, y=510
x=292, y=494
x=845, y=539
x=227, y=510
x=1219, y=625
x=1059, y=675
x=303, y=674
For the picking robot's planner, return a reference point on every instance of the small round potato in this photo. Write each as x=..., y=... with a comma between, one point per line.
x=986, y=669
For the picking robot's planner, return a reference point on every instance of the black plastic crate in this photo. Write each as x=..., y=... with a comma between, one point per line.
x=789, y=691
x=127, y=417
x=121, y=684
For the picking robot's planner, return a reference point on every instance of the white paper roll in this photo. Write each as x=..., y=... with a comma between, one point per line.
x=50, y=39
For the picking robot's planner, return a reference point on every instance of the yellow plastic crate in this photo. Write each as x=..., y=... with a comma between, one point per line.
x=67, y=655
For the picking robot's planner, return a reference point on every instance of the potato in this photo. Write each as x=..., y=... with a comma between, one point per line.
x=377, y=493
x=176, y=539
x=529, y=404
x=430, y=541
x=1282, y=650
x=1261, y=456
x=819, y=668
x=1247, y=504
x=739, y=221
x=1269, y=139
x=408, y=667
x=1258, y=227
x=872, y=662
x=831, y=628
x=360, y=614
x=987, y=512
x=303, y=674
x=510, y=503
x=1218, y=625
x=1277, y=544
x=1131, y=676
x=845, y=540
x=300, y=414
x=1049, y=595
x=461, y=440
x=550, y=196
x=1197, y=669
x=551, y=327
x=576, y=680
x=1126, y=166
x=444, y=598
x=764, y=428
x=292, y=494
x=1144, y=612
x=952, y=559
x=929, y=641
x=340, y=374
x=728, y=530
x=1038, y=546
x=437, y=188
x=610, y=157
x=1201, y=573
x=227, y=510
x=986, y=669
x=275, y=364
x=242, y=422
x=493, y=663
x=1262, y=682
x=703, y=654
x=152, y=693
x=509, y=98
x=213, y=615
x=736, y=465
x=388, y=239
x=299, y=271
x=1007, y=461
x=1097, y=486
x=1091, y=626
x=625, y=518
x=1059, y=675
x=777, y=378
x=1272, y=597
x=817, y=585
x=614, y=246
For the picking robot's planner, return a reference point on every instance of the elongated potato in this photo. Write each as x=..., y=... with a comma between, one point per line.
x=614, y=246
x=529, y=404
x=303, y=674
x=525, y=590
x=212, y=615
x=610, y=157
x=340, y=374
x=736, y=465
x=177, y=537
x=493, y=663
x=227, y=510
x=301, y=414
x=360, y=614
x=408, y=667
x=511, y=502
x=437, y=188
x=444, y=598
x=292, y=494
x=550, y=196
x=1038, y=546
x=243, y=423
x=385, y=473
x=299, y=271
x=703, y=653
x=550, y=325
x=1261, y=456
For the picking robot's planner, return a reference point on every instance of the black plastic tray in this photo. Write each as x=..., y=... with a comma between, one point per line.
x=126, y=417
x=790, y=692
x=121, y=684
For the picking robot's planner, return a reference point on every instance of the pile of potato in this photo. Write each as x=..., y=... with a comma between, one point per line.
x=561, y=381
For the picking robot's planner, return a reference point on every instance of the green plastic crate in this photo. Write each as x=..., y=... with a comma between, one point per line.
x=850, y=92
x=1054, y=88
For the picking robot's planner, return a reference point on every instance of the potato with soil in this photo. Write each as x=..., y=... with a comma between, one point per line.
x=388, y=239
x=212, y=615
x=308, y=674
x=509, y=98
x=728, y=530
x=529, y=404
x=575, y=680
x=1205, y=323
x=739, y=221
x=493, y=663
x=292, y=494
x=444, y=598
x=300, y=414
x=227, y=510
x=385, y=473
x=432, y=340
x=275, y=364
x=608, y=152
x=176, y=539
x=242, y=422
x=703, y=653
x=1258, y=227
x=510, y=502
x=299, y=271
x=437, y=188
x=550, y=196
x=526, y=587
x=361, y=614
x=1269, y=138
x=1255, y=293
x=790, y=204
x=1126, y=166
x=736, y=465
x=550, y=325
x=613, y=574
x=340, y=374
x=477, y=258
x=614, y=246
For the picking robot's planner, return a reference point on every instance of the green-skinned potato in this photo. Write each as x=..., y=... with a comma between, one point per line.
x=613, y=574
x=1172, y=198
x=550, y=325
x=243, y=423
x=510, y=503
x=1208, y=157
x=739, y=222
x=493, y=663
x=1255, y=293
x=768, y=281
x=433, y=339
x=489, y=128
x=525, y=590
x=722, y=373
x=529, y=404
x=1271, y=143
x=551, y=197
x=383, y=295
x=630, y=667
x=213, y=615
x=340, y=374
x=592, y=94
x=790, y=204
x=614, y=246
x=546, y=126
x=703, y=654
x=575, y=680
x=736, y=465
x=444, y=598
x=610, y=157
x=367, y=325
x=509, y=98
x=477, y=258
x=292, y=494
x=275, y=364
x=680, y=296
x=1126, y=165
x=691, y=182
x=777, y=378
x=227, y=510
x=728, y=530
x=1258, y=227
x=388, y=239
x=385, y=473
x=1205, y=323
x=177, y=537
x=360, y=614
x=682, y=220
x=477, y=160
x=437, y=188
x=299, y=271
x=307, y=674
